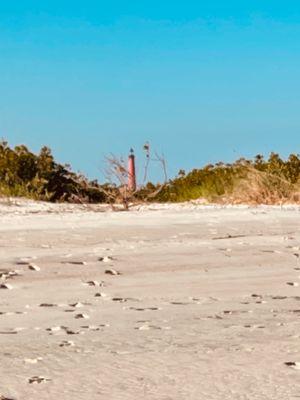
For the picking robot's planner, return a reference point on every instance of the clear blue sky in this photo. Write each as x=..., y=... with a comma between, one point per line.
x=202, y=80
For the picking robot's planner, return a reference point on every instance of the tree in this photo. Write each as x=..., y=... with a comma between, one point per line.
x=117, y=176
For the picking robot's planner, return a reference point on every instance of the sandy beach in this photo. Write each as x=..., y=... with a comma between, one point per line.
x=165, y=302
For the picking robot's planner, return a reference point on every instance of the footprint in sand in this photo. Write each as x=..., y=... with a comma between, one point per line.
x=82, y=316
x=293, y=364
x=90, y=327
x=5, y=286
x=33, y=267
x=6, y=274
x=74, y=262
x=54, y=329
x=25, y=260
x=94, y=283
x=100, y=294
x=61, y=329
x=143, y=309
x=76, y=305
x=106, y=259
x=112, y=272
x=66, y=343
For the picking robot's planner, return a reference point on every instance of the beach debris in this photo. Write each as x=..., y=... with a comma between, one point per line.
x=5, y=286
x=293, y=364
x=105, y=259
x=84, y=316
x=292, y=283
x=112, y=272
x=38, y=379
x=33, y=267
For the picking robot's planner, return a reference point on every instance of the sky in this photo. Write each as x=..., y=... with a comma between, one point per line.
x=202, y=81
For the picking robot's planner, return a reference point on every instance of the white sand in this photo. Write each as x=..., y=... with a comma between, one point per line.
x=189, y=329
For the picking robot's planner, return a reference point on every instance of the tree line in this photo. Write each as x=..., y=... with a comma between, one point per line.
x=38, y=176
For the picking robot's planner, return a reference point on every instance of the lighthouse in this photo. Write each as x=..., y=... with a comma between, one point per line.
x=131, y=171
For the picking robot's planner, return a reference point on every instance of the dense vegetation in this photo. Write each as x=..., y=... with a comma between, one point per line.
x=23, y=173
x=255, y=181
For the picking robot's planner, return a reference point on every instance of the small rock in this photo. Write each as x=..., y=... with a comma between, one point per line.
x=292, y=283
x=34, y=267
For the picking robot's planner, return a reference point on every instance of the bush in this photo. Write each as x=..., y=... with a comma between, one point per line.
x=250, y=181
x=25, y=174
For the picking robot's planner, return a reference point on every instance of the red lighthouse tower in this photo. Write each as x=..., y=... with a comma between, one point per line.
x=131, y=171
